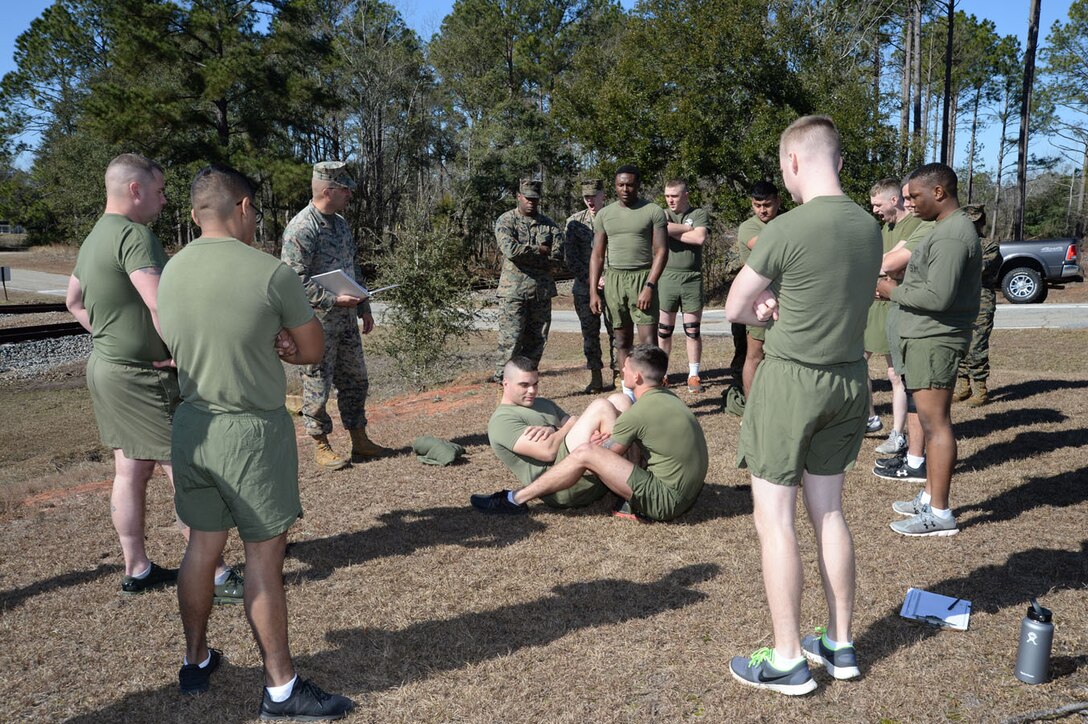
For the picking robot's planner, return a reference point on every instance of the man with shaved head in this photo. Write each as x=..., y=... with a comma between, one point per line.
x=810, y=281
x=113, y=293
x=222, y=305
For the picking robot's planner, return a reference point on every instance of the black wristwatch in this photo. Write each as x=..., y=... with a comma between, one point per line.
x=651, y=285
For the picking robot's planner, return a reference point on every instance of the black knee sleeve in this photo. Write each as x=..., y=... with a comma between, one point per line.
x=665, y=330
x=691, y=329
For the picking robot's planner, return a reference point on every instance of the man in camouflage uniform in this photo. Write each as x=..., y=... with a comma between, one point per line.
x=576, y=251
x=975, y=366
x=316, y=241
x=529, y=242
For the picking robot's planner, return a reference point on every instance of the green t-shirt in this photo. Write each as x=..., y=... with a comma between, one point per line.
x=221, y=304
x=630, y=233
x=939, y=295
x=823, y=259
x=683, y=256
x=748, y=229
x=121, y=325
x=895, y=233
x=671, y=437
x=506, y=425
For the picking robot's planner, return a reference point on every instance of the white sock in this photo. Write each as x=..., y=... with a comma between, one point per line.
x=146, y=572
x=185, y=660
x=693, y=369
x=915, y=461
x=510, y=497
x=781, y=663
x=628, y=391
x=836, y=645
x=924, y=500
x=221, y=578
x=281, y=693
x=943, y=514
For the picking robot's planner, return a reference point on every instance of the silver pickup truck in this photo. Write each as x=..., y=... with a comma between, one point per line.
x=1027, y=267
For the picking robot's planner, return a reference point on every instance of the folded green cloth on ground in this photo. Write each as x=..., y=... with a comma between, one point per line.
x=733, y=400
x=433, y=451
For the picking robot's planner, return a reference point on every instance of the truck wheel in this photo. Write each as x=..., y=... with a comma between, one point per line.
x=1023, y=285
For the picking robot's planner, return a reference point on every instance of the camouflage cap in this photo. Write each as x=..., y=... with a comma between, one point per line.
x=530, y=188
x=591, y=186
x=335, y=172
x=975, y=212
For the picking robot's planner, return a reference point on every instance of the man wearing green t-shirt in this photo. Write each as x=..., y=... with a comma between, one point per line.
x=681, y=285
x=113, y=293
x=938, y=301
x=222, y=304
x=810, y=280
x=667, y=434
x=529, y=434
x=766, y=206
x=631, y=234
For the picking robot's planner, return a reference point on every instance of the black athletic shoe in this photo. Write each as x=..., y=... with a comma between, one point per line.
x=497, y=503
x=157, y=578
x=306, y=703
x=903, y=472
x=892, y=462
x=195, y=680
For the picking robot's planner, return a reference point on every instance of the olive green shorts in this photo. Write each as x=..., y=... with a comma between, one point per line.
x=932, y=362
x=236, y=470
x=680, y=290
x=588, y=489
x=759, y=334
x=876, y=328
x=654, y=498
x=133, y=406
x=800, y=418
x=621, y=290
x=892, y=329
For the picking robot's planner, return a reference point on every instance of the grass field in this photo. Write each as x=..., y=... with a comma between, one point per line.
x=423, y=610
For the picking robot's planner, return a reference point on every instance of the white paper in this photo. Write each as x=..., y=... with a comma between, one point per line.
x=936, y=610
x=337, y=282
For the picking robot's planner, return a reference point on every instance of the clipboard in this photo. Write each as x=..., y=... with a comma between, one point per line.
x=337, y=282
x=936, y=610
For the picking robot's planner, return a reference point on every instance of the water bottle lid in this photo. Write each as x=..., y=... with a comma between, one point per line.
x=1040, y=614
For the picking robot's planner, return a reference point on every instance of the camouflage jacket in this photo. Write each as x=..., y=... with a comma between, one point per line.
x=315, y=243
x=526, y=273
x=578, y=246
x=991, y=263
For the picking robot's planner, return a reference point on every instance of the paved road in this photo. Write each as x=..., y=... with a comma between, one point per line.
x=1008, y=316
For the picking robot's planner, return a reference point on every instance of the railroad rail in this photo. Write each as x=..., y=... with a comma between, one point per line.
x=40, y=331
x=32, y=308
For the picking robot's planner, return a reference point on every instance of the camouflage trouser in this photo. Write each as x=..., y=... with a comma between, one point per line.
x=344, y=367
x=523, y=329
x=591, y=332
x=976, y=363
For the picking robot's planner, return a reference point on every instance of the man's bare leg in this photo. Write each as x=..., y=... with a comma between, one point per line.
x=647, y=334
x=751, y=363
x=695, y=345
x=196, y=589
x=899, y=398
x=916, y=437
x=835, y=546
x=266, y=607
x=623, y=335
x=599, y=416
x=773, y=509
x=668, y=320
x=612, y=469
x=869, y=382
x=127, y=500
x=934, y=413
x=167, y=468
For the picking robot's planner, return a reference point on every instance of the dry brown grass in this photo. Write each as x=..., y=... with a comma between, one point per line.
x=423, y=610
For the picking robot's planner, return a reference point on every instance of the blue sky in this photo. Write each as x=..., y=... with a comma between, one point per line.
x=425, y=16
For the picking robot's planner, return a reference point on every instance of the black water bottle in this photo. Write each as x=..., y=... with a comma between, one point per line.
x=1036, y=637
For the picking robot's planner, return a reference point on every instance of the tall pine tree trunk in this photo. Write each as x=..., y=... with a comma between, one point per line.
x=971, y=146
x=1025, y=113
x=916, y=57
x=904, y=89
x=946, y=128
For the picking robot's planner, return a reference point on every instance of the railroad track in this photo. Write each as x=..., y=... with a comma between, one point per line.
x=31, y=308
x=40, y=331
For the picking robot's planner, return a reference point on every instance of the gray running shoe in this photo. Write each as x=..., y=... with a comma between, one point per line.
x=925, y=524
x=910, y=507
x=895, y=444
x=873, y=424
x=757, y=671
x=841, y=663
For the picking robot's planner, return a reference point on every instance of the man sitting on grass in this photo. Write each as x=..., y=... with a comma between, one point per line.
x=665, y=430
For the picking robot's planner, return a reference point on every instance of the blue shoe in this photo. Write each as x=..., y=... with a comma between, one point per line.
x=497, y=503
x=841, y=663
x=758, y=672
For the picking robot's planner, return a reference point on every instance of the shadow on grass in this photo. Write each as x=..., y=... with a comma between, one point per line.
x=478, y=438
x=1025, y=445
x=370, y=659
x=1024, y=575
x=402, y=532
x=1023, y=390
x=1057, y=491
x=718, y=501
x=17, y=596
x=997, y=421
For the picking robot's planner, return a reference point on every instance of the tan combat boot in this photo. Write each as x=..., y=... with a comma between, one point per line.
x=963, y=389
x=596, y=383
x=325, y=456
x=363, y=448
x=981, y=396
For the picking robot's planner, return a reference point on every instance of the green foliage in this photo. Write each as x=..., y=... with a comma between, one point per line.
x=432, y=310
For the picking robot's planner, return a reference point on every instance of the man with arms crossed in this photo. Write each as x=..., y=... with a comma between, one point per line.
x=938, y=302
x=886, y=198
x=222, y=304
x=681, y=284
x=113, y=293
x=813, y=271
x=631, y=232
x=664, y=429
x=765, y=206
